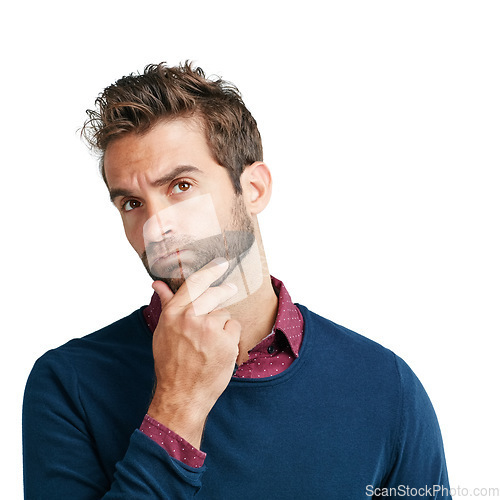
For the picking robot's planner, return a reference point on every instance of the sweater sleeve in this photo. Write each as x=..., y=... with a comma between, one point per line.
x=59, y=454
x=419, y=466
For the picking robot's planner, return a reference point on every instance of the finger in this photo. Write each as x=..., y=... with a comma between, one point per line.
x=213, y=297
x=222, y=315
x=200, y=281
x=233, y=327
x=163, y=291
x=219, y=318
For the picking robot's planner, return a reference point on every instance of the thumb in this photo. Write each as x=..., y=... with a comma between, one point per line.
x=163, y=292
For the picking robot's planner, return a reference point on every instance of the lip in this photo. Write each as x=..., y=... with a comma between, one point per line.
x=168, y=256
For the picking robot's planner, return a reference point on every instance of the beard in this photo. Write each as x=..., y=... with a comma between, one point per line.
x=233, y=244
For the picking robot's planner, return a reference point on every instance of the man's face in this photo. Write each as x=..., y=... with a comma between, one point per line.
x=178, y=206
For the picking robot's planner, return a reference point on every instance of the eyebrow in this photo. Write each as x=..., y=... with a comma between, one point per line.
x=162, y=181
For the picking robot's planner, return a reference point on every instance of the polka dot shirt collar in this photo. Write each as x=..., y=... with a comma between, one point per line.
x=289, y=321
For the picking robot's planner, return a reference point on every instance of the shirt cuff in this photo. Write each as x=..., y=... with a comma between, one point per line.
x=172, y=443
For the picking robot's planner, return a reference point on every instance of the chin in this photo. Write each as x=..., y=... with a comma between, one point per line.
x=173, y=283
x=174, y=278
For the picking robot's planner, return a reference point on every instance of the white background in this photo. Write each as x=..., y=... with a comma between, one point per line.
x=381, y=125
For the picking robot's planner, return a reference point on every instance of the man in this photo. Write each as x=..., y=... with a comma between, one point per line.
x=221, y=387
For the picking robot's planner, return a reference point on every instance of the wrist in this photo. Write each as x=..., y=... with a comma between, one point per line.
x=181, y=417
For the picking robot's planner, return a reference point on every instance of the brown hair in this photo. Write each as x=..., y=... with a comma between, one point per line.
x=135, y=103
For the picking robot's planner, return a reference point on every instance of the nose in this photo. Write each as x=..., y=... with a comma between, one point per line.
x=158, y=225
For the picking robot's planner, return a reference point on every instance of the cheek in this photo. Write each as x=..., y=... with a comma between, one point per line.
x=199, y=226
x=196, y=217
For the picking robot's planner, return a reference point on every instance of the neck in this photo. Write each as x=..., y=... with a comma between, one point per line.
x=255, y=305
x=257, y=315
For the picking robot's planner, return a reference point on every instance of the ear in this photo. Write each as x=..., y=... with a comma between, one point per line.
x=256, y=182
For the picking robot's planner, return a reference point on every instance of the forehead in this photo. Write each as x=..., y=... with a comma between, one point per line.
x=167, y=145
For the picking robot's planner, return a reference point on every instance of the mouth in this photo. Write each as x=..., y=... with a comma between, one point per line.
x=169, y=256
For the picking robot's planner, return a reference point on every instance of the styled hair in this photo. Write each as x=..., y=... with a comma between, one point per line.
x=136, y=103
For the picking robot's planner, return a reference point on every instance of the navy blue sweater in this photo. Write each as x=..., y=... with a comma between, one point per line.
x=346, y=418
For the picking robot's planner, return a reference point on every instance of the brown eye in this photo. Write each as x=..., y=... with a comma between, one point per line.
x=131, y=204
x=181, y=187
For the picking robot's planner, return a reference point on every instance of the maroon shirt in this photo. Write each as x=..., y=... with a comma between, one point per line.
x=273, y=355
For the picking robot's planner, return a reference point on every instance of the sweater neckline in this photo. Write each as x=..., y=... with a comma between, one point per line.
x=263, y=381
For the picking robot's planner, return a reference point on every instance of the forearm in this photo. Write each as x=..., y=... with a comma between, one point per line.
x=184, y=418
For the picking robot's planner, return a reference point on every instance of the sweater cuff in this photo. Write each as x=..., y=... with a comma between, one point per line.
x=176, y=446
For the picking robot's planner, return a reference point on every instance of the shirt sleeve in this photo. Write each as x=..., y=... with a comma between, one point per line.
x=59, y=456
x=176, y=446
x=419, y=465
